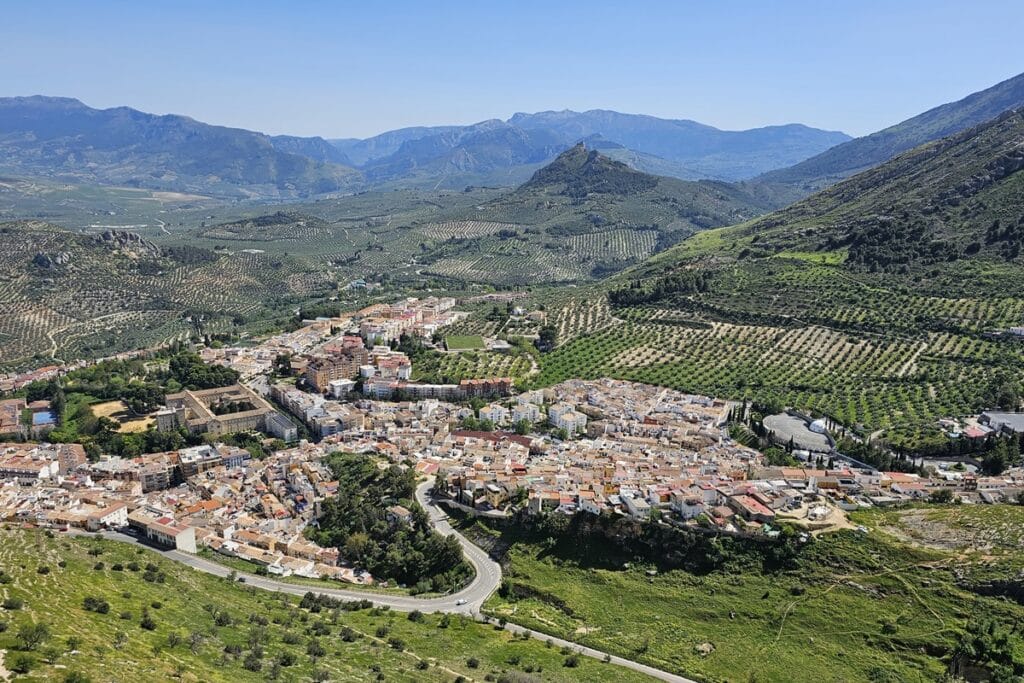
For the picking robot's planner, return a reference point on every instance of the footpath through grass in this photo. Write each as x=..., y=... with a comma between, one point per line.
x=156, y=620
x=856, y=607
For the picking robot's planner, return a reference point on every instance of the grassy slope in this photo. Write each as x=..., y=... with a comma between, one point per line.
x=56, y=599
x=759, y=629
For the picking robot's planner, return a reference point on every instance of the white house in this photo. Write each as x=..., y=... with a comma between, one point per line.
x=525, y=411
x=498, y=414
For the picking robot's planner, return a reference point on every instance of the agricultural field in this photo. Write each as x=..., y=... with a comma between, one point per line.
x=445, y=368
x=65, y=296
x=140, y=617
x=463, y=342
x=902, y=610
x=806, y=335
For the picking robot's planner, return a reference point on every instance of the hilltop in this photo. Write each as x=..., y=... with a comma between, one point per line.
x=62, y=138
x=856, y=155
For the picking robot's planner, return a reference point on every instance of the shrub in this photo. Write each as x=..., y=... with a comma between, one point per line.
x=286, y=659
x=473, y=663
x=315, y=649
x=94, y=604
x=99, y=566
x=416, y=616
x=572, y=661
x=21, y=663
x=396, y=643
x=252, y=662
x=13, y=603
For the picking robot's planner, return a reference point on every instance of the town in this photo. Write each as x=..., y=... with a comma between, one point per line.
x=578, y=447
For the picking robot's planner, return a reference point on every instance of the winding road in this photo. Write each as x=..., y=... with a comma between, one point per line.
x=467, y=601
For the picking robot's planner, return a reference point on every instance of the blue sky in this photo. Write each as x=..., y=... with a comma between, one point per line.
x=341, y=69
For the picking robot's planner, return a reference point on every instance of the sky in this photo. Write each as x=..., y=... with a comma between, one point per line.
x=354, y=69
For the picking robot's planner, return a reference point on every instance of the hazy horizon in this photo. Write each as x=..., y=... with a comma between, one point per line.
x=354, y=72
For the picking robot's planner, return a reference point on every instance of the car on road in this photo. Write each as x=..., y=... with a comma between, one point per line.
x=460, y=602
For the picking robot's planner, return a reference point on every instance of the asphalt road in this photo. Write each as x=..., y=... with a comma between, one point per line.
x=467, y=601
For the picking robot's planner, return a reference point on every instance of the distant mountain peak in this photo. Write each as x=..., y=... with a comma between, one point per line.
x=579, y=171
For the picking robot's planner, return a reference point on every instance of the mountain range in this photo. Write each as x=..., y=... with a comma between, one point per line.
x=507, y=152
x=63, y=139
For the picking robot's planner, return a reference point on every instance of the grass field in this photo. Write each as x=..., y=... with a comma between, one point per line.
x=463, y=342
x=859, y=607
x=205, y=629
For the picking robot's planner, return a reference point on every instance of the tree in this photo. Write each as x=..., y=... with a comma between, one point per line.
x=941, y=497
x=547, y=338
x=33, y=635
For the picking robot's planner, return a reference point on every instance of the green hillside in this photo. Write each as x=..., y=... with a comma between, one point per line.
x=848, y=606
x=107, y=611
x=869, y=302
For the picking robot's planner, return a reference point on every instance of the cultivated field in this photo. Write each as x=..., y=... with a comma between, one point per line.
x=836, y=344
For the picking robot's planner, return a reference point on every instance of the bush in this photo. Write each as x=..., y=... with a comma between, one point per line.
x=396, y=643
x=286, y=659
x=21, y=663
x=315, y=649
x=572, y=661
x=99, y=566
x=252, y=662
x=94, y=604
x=76, y=677
x=473, y=663
x=416, y=616
x=13, y=603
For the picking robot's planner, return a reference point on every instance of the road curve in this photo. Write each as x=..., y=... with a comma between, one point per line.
x=467, y=601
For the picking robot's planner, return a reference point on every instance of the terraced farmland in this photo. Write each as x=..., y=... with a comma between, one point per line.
x=68, y=295
x=885, y=359
x=465, y=229
x=452, y=367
